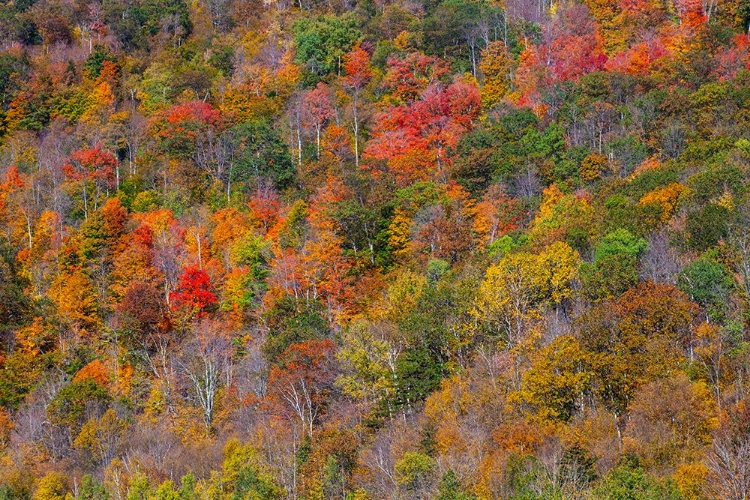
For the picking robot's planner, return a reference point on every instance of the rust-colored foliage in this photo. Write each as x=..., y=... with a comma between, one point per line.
x=301, y=382
x=96, y=371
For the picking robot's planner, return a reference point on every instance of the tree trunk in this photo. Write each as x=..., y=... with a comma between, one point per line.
x=356, y=129
x=85, y=201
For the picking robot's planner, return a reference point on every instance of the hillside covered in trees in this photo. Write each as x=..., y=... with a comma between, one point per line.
x=374, y=249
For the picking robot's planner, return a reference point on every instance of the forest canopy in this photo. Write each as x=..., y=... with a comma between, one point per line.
x=369, y=249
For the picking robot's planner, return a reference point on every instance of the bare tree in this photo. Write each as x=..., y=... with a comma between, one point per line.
x=534, y=11
x=526, y=183
x=661, y=263
x=169, y=255
x=739, y=236
x=300, y=387
x=157, y=352
x=155, y=447
x=214, y=154
x=381, y=456
x=206, y=361
x=729, y=466
x=133, y=135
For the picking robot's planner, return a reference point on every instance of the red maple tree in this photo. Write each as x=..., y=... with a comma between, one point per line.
x=193, y=293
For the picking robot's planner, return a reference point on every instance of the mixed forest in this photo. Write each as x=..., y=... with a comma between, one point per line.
x=374, y=249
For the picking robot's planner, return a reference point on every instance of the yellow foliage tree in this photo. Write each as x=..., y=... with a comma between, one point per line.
x=668, y=198
x=401, y=297
x=100, y=437
x=516, y=289
x=399, y=233
x=555, y=385
x=593, y=166
x=76, y=301
x=509, y=295
x=497, y=68
x=690, y=478
x=52, y=486
x=231, y=225
x=561, y=216
x=559, y=265
x=371, y=359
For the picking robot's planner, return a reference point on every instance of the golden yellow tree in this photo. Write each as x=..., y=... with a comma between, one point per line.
x=593, y=166
x=76, y=301
x=516, y=290
x=668, y=198
x=509, y=296
x=555, y=385
x=497, y=67
x=53, y=486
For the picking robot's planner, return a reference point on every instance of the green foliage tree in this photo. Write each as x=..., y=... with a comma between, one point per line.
x=70, y=405
x=707, y=226
x=95, y=62
x=260, y=153
x=91, y=489
x=14, y=304
x=413, y=470
x=451, y=30
x=628, y=481
x=242, y=476
x=322, y=42
x=292, y=321
x=135, y=23
x=710, y=284
x=614, y=269
x=450, y=488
